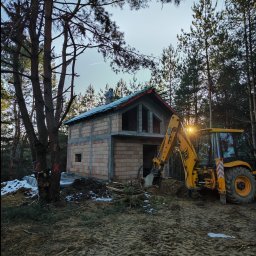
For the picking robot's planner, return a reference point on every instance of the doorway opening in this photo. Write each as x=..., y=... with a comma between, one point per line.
x=149, y=152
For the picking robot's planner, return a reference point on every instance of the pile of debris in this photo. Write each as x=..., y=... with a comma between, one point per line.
x=84, y=189
x=173, y=187
x=130, y=188
x=77, y=189
x=129, y=193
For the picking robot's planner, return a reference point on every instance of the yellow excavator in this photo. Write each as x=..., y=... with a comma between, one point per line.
x=218, y=159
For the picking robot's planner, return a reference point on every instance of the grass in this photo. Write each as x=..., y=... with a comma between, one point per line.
x=27, y=213
x=36, y=212
x=159, y=202
x=16, y=212
x=97, y=216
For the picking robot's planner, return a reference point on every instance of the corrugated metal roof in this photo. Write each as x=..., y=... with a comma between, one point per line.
x=113, y=105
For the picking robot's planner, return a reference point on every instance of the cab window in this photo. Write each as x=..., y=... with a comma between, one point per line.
x=227, y=145
x=204, y=149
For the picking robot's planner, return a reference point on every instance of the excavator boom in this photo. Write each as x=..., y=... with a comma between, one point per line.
x=176, y=133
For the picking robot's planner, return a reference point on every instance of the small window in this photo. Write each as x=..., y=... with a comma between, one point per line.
x=156, y=124
x=144, y=120
x=78, y=157
x=129, y=120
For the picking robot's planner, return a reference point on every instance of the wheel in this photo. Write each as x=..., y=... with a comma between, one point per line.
x=240, y=185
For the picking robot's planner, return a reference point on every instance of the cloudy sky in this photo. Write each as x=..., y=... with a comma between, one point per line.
x=148, y=30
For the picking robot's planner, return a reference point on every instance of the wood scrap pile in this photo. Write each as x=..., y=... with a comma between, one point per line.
x=131, y=188
x=130, y=192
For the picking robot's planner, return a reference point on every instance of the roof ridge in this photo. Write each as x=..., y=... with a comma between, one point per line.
x=112, y=105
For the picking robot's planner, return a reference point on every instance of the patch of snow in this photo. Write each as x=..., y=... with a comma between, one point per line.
x=67, y=179
x=150, y=211
x=146, y=204
x=94, y=197
x=219, y=235
x=64, y=183
x=31, y=180
x=75, y=197
x=13, y=186
x=91, y=195
x=69, y=198
x=147, y=195
x=103, y=199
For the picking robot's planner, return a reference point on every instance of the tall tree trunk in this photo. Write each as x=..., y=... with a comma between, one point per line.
x=41, y=146
x=170, y=86
x=16, y=139
x=52, y=125
x=22, y=145
x=17, y=82
x=56, y=171
x=250, y=27
x=209, y=82
x=195, y=101
x=249, y=85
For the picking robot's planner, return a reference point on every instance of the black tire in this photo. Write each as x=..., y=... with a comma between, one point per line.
x=240, y=185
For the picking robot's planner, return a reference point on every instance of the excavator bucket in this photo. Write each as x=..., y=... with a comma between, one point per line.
x=153, y=178
x=148, y=180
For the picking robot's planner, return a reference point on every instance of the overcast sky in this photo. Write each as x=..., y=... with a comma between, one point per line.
x=148, y=30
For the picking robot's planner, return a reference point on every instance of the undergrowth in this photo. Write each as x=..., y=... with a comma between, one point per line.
x=28, y=213
x=93, y=218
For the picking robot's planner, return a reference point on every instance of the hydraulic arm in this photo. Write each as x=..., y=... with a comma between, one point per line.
x=176, y=133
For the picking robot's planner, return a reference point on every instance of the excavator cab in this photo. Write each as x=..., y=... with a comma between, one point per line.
x=236, y=146
x=228, y=151
x=227, y=144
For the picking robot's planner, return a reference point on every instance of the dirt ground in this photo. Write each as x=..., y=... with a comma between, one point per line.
x=177, y=225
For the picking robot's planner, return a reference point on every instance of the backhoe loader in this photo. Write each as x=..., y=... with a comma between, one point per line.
x=219, y=159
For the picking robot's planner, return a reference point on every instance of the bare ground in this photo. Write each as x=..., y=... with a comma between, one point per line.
x=178, y=226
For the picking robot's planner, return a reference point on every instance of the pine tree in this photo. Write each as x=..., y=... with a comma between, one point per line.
x=188, y=95
x=163, y=76
x=121, y=89
x=88, y=100
x=134, y=86
x=243, y=30
x=202, y=36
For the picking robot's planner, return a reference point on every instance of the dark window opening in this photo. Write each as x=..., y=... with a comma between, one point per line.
x=156, y=124
x=129, y=120
x=78, y=157
x=144, y=120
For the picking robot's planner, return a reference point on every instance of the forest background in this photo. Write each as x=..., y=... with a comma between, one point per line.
x=209, y=78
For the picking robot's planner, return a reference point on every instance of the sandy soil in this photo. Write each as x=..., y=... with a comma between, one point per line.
x=178, y=226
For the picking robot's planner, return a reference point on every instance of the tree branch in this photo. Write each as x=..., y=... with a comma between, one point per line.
x=72, y=97
x=4, y=71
